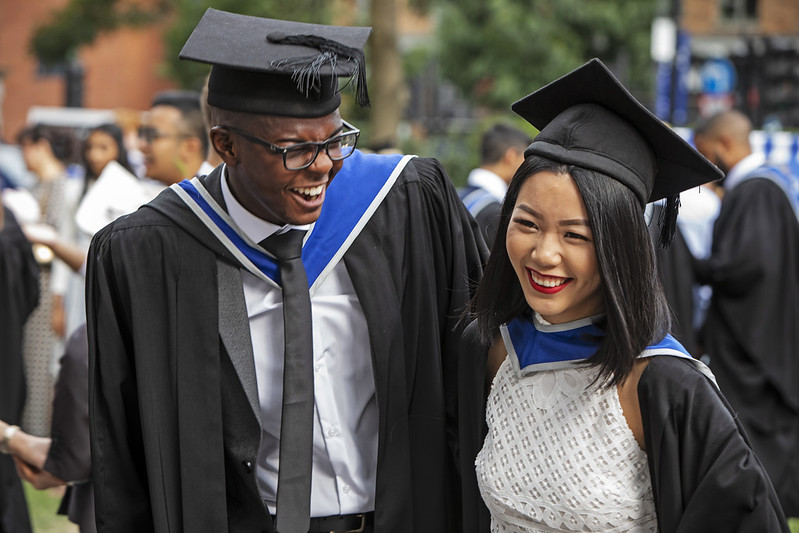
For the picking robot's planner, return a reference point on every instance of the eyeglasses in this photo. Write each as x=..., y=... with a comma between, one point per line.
x=302, y=155
x=149, y=134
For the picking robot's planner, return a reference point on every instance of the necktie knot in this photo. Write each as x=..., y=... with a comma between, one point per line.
x=285, y=246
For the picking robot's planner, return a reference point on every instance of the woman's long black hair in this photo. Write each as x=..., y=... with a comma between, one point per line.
x=115, y=132
x=636, y=311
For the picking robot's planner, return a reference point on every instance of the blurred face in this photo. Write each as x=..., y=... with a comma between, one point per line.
x=260, y=181
x=33, y=153
x=713, y=149
x=551, y=248
x=515, y=159
x=162, y=149
x=100, y=149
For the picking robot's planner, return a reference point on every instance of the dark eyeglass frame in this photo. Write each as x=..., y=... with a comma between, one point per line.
x=284, y=150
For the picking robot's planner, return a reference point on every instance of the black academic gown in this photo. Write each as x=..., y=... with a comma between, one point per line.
x=751, y=331
x=486, y=212
x=174, y=410
x=705, y=476
x=19, y=296
x=69, y=456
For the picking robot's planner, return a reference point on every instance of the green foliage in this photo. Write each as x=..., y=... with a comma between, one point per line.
x=497, y=51
x=80, y=22
x=188, y=13
x=458, y=149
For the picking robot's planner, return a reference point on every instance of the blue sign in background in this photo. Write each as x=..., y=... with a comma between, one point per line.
x=676, y=113
x=718, y=76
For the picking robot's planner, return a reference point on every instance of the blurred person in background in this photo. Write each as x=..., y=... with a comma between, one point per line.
x=501, y=152
x=19, y=294
x=173, y=137
x=750, y=331
x=103, y=145
x=64, y=458
x=47, y=151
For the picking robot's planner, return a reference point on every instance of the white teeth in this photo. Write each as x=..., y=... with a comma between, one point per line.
x=548, y=283
x=310, y=191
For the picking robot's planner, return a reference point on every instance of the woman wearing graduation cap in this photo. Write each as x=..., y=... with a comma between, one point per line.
x=598, y=419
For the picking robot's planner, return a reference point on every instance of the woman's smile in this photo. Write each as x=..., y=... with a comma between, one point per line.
x=547, y=284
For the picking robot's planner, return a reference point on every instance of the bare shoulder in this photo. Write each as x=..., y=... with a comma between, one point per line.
x=628, y=398
x=496, y=355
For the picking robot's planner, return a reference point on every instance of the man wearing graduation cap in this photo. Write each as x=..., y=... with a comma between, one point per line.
x=751, y=332
x=273, y=346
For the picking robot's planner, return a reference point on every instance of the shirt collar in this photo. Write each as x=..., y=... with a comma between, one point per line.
x=742, y=169
x=253, y=227
x=205, y=169
x=492, y=183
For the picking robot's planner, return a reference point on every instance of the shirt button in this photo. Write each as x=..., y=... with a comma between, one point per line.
x=332, y=433
x=247, y=466
x=346, y=489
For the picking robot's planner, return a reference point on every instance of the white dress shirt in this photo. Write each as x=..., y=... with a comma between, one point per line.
x=345, y=404
x=742, y=169
x=489, y=181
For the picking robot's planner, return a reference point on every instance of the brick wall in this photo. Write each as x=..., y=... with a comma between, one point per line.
x=122, y=69
x=775, y=17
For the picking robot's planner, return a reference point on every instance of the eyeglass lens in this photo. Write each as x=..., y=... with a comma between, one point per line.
x=337, y=149
x=147, y=134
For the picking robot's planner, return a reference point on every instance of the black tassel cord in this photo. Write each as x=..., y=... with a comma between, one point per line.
x=668, y=220
x=306, y=70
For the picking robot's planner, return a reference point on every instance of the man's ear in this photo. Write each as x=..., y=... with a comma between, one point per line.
x=511, y=155
x=224, y=144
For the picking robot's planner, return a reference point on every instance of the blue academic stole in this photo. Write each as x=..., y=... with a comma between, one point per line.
x=781, y=175
x=534, y=347
x=351, y=199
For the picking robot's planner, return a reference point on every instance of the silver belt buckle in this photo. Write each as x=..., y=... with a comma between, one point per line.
x=359, y=530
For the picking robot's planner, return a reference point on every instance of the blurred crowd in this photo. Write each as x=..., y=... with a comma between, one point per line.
x=61, y=184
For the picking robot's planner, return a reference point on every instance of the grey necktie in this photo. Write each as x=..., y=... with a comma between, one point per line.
x=296, y=425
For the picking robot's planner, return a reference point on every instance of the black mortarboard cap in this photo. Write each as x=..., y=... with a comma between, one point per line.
x=588, y=118
x=277, y=67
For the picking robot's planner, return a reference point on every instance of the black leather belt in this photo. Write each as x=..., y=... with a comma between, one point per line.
x=348, y=523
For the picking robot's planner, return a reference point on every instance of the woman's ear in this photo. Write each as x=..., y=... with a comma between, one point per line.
x=224, y=144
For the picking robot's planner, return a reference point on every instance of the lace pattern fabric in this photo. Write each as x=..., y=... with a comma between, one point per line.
x=559, y=456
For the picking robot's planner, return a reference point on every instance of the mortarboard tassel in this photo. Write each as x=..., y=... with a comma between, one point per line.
x=306, y=69
x=668, y=220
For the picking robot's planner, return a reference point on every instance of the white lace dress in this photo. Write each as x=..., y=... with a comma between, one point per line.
x=559, y=456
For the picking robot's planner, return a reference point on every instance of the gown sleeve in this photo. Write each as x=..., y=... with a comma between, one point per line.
x=459, y=254
x=745, y=237
x=463, y=357
x=69, y=457
x=705, y=476
x=117, y=450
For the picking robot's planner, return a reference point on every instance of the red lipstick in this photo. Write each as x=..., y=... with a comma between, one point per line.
x=546, y=290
